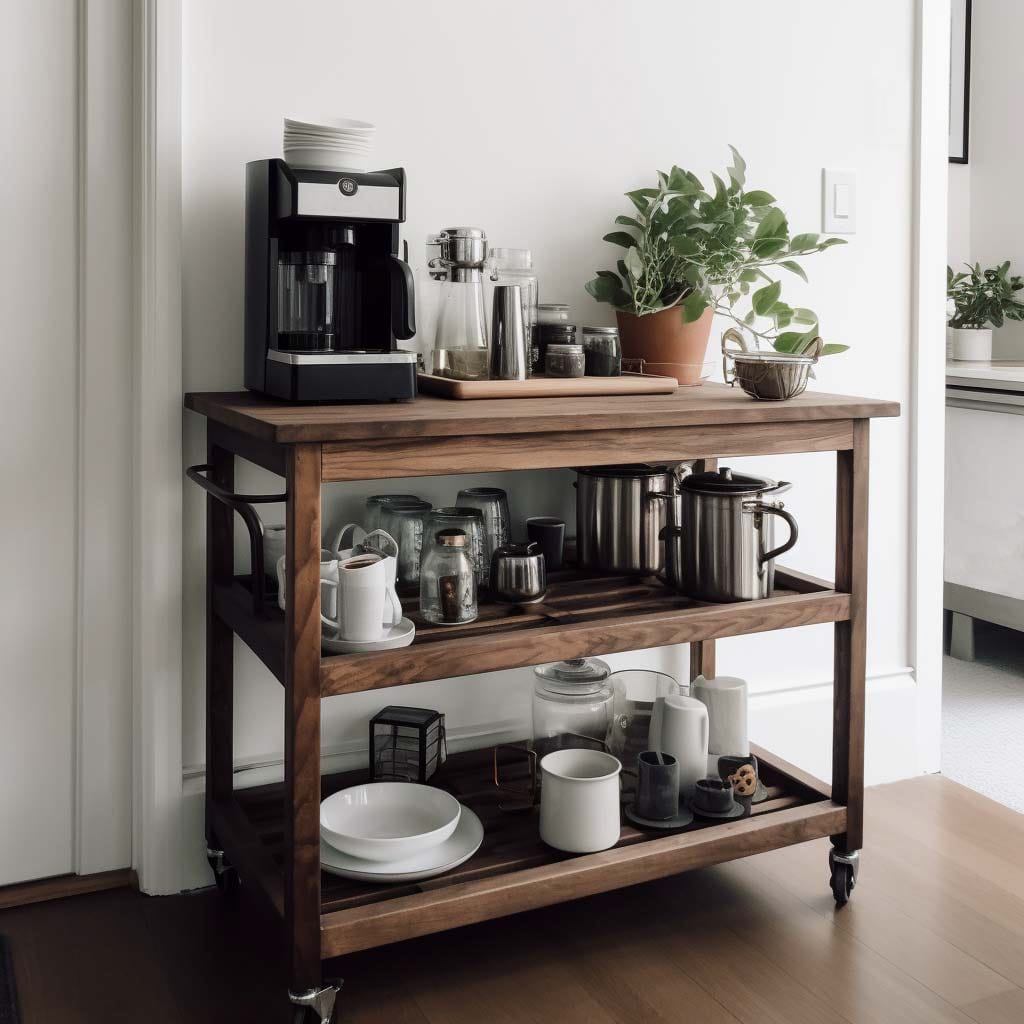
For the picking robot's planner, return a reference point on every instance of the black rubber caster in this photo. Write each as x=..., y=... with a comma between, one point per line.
x=843, y=868
x=224, y=873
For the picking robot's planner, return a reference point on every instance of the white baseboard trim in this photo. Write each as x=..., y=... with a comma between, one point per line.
x=796, y=723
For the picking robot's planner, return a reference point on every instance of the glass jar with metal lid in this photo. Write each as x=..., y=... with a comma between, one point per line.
x=572, y=705
x=404, y=521
x=550, y=331
x=564, y=361
x=448, y=581
x=471, y=521
x=602, y=351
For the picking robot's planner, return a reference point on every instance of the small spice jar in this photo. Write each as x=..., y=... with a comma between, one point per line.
x=551, y=334
x=564, y=361
x=448, y=580
x=602, y=351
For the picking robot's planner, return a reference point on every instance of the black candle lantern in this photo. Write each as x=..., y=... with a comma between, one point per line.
x=406, y=744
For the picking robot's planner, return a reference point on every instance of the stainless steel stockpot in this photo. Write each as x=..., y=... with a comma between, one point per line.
x=719, y=545
x=618, y=520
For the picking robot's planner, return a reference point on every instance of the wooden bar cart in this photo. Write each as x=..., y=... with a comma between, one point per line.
x=269, y=836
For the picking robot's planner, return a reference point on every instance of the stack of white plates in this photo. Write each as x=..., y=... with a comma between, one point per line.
x=333, y=144
x=395, y=832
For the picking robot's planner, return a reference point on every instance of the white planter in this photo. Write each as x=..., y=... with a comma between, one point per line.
x=969, y=344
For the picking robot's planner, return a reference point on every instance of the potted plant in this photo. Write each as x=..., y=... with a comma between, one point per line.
x=691, y=254
x=977, y=301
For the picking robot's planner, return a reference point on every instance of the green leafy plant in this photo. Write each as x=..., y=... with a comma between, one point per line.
x=691, y=248
x=983, y=298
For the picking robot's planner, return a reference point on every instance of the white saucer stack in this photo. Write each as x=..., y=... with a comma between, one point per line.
x=332, y=144
x=395, y=832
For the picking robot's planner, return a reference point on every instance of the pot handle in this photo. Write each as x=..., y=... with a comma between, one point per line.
x=733, y=335
x=670, y=531
x=775, y=510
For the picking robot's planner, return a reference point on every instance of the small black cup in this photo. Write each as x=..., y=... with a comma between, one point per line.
x=657, y=787
x=549, y=533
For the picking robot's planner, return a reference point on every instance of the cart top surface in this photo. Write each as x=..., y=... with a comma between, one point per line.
x=428, y=416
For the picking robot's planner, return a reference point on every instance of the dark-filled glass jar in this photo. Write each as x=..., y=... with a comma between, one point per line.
x=551, y=334
x=602, y=351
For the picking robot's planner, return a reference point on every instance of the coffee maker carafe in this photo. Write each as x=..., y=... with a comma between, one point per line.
x=327, y=296
x=456, y=257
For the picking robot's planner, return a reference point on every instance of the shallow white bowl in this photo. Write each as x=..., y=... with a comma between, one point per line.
x=388, y=821
x=331, y=125
x=325, y=159
x=349, y=147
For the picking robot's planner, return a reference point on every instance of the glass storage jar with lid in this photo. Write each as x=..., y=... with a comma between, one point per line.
x=572, y=706
x=448, y=581
x=564, y=361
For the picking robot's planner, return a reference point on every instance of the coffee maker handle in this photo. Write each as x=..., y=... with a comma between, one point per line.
x=403, y=299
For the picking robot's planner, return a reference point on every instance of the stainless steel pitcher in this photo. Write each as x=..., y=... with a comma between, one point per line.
x=721, y=546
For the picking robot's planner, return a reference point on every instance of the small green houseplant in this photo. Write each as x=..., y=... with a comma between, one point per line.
x=691, y=253
x=977, y=301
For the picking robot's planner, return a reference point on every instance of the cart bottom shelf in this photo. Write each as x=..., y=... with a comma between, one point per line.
x=513, y=871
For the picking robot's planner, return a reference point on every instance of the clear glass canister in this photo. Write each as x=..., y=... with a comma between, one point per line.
x=471, y=521
x=573, y=705
x=448, y=580
x=602, y=351
x=404, y=521
x=375, y=507
x=515, y=266
x=564, y=361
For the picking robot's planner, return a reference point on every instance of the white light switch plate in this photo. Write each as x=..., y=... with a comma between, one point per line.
x=838, y=202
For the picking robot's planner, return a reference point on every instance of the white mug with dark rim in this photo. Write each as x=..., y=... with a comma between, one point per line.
x=366, y=605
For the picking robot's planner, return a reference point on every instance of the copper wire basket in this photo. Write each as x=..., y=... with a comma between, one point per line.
x=767, y=376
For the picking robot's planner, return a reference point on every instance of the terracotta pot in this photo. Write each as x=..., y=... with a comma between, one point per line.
x=678, y=350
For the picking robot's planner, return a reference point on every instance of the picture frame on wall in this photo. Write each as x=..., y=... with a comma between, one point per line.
x=959, y=80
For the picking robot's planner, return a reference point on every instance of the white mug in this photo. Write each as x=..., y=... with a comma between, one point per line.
x=683, y=733
x=579, y=800
x=366, y=605
x=328, y=574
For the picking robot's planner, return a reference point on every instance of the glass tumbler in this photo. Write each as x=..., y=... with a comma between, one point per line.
x=375, y=505
x=639, y=699
x=405, y=523
x=493, y=503
x=471, y=521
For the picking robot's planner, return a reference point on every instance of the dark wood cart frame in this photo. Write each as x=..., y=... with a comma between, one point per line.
x=309, y=446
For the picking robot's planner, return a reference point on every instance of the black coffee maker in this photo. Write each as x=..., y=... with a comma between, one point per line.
x=327, y=296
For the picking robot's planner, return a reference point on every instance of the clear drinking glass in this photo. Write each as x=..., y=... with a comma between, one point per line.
x=471, y=521
x=405, y=523
x=639, y=698
x=448, y=580
x=306, y=318
x=375, y=504
x=515, y=266
x=493, y=503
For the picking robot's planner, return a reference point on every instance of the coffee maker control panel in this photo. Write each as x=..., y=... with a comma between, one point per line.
x=356, y=197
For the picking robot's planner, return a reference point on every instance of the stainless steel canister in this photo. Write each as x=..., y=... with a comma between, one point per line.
x=618, y=522
x=720, y=542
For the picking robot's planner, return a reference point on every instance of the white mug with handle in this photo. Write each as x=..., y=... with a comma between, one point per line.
x=328, y=574
x=366, y=606
x=378, y=542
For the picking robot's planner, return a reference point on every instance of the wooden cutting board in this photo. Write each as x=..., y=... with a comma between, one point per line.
x=547, y=387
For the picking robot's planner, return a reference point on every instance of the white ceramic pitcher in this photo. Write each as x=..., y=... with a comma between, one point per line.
x=683, y=733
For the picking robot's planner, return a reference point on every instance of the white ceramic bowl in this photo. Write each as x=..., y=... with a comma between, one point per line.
x=325, y=159
x=331, y=125
x=387, y=821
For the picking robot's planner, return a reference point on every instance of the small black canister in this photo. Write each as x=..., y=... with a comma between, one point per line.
x=551, y=334
x=602, y=351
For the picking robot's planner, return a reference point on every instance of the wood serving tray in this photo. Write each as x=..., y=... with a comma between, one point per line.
x=547, y=387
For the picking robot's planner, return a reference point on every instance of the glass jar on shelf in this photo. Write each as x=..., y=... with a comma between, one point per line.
x=564, y=361
x=448, y=580
x=515, y=266
x=471, y=521
x=573, y=705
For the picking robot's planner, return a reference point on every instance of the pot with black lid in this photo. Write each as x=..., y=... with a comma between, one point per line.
x=620, y=513
x=720, y=543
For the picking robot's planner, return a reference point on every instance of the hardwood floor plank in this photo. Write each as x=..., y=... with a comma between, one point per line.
x=883, y=926
x=1006, y=1008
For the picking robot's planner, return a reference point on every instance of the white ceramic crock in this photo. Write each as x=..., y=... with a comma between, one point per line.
x=970, y=344
x=579, y=800
x=684, y=735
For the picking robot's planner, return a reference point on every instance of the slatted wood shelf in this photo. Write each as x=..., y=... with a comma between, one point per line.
x=583, y=614
x=513, y=870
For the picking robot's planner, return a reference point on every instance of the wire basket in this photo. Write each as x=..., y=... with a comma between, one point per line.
x=767, y=376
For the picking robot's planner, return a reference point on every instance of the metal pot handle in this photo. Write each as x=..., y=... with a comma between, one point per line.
x=775, y=510
x=733, y=335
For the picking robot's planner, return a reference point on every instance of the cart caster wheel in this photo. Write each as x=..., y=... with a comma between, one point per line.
x=843, y=867
x=317, y=1005
x=224, y=874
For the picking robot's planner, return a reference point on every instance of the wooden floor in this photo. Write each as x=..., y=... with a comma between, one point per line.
x=934, y=933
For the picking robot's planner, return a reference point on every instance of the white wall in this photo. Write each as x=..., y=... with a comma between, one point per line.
x=38, y=441
x=958, y=249
x=555, y=115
